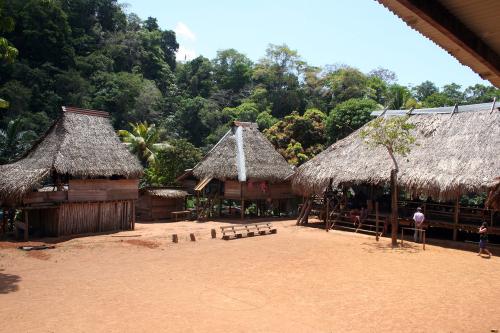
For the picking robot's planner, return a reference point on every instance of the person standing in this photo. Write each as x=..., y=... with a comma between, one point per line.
x=483, y=240
x=419, y=219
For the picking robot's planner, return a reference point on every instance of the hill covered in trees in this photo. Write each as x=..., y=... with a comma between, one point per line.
x=91, y=54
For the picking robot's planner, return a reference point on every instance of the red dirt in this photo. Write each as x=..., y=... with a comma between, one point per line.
x=38, y=254
x=144, y=243
x=299, y=280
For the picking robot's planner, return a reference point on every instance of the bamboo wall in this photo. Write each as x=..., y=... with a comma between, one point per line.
x=81, y=218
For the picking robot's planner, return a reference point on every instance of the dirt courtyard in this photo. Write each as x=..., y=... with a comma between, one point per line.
x=300, y=280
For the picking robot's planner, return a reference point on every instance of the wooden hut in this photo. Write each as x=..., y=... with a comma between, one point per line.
x=457, y=153
x=242, y=166
x=93, y=177
x=160, y=203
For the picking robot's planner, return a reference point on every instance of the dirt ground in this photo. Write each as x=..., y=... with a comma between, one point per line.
x=302, y=279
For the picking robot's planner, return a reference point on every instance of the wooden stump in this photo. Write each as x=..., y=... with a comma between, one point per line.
x=175, y=239
x=213, y=233
x=192, y=237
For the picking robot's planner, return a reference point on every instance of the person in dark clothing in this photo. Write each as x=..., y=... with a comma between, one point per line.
x=483, y=240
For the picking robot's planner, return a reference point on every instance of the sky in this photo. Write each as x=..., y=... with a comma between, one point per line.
x=359, y=33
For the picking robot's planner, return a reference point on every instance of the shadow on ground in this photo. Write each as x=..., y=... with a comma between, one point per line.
x=373, y=247
x=8, y=283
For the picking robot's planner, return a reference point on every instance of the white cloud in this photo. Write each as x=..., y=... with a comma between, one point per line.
x=185, y=54
x=183, y=31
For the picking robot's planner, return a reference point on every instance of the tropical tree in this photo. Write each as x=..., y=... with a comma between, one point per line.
x=143, y=142
x=394, y=134
x=348, y=116
x=14, y=140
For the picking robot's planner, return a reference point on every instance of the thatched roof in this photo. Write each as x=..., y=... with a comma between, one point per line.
x=456, y=153
x=167, y=193
x=243, y=153
x=494, y=195
x=81, y=143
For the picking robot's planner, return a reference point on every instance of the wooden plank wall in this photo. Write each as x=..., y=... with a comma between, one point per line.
x=42, y=197
x=274, y=191
x=143, y=207
x=232, y=189
x=102, y=190
x=161, y=208
x=78, y=218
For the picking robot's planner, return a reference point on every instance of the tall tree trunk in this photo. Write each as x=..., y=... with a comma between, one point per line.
x=394, y=207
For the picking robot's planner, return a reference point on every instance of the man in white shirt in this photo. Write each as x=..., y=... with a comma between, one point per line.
x=419, y=219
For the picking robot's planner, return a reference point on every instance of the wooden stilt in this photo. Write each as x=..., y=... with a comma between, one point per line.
x=133, y=215
x=4, y=221
x=455, y=218
x=327, y=217
x=26, y=225
x=242, y=209
x=376, y=221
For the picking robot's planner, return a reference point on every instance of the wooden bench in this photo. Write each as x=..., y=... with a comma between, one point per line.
x=249, y=230
x=183, y=213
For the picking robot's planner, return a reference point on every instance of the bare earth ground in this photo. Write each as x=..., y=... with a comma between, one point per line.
x=299, y=280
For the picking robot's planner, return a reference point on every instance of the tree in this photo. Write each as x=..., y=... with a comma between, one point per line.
x=7, y=51
x=394, y=134
x=480, y=93
x=232, y=70
x=348, y=116
x=278, y=73
x=424, y=90
x=14, y=141
x=143, y=142
x=299, y=138
x=346, y=83
x=397, y=96
x=172, y=161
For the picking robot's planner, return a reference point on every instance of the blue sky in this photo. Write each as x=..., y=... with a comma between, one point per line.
x=359, y=33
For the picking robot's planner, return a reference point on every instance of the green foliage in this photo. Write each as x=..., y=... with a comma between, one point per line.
x=393, y=133
x=348, y=116
x=265, y=120
x=347, y=83
x=142, y=141
x=172, y=161
x=298, y=138
x=424, y=90
x=14, y=141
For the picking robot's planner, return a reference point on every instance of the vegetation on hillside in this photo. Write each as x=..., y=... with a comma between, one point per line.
x=91, y=54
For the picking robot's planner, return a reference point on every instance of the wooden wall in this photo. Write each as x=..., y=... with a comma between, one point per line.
x=158, y=208
x=255, y=192
x=81, y=218
x=102, y=190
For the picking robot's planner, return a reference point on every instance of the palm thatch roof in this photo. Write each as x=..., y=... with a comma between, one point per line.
x=244, y=154
x=81, y=143
x=457, y=151
x=166, y=193
x=494, y=195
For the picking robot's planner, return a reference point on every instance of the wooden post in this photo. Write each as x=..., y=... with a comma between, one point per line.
x=423, y=246
x=26, y=225
x=175, y=239
x=193, y=238
x=213, y=233
x=4, y=220
x=376, y=220
x=133, y=214
x=327, y=216
x=455, y=218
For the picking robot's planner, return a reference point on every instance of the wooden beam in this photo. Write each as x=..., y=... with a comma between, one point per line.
x=456, y=218
x=437, y=16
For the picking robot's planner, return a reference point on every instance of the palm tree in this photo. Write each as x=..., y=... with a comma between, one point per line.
x=14, y=141
x=143, y=142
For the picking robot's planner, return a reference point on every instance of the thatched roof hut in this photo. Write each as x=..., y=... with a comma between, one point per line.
x=244, y=154
x=80, y=144
x=458, y=152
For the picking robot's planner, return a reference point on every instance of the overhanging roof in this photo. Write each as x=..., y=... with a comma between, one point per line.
x=467, y=29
